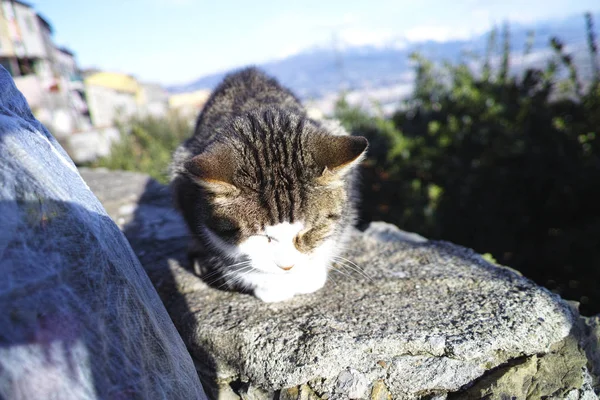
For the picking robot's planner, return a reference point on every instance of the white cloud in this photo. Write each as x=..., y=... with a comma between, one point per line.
x=481, y=15
x=522, y=18
x=435, y=33
x=364, y=37
x=290, y=51
x=477, y=21
x=349, y=30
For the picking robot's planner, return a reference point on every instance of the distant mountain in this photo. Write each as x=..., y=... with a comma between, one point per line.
x=319, y=72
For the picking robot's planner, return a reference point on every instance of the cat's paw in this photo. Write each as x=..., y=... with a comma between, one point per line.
x=273, y=295
x=311, y=285
x=307, y=289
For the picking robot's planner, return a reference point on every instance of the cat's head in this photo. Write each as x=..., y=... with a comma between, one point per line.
x=275, y=190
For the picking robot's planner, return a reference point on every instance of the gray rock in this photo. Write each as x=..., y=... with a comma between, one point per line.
x=79, y=318
x=591, y=346
x=561, y=373
x=385, y=232
x=422, y=319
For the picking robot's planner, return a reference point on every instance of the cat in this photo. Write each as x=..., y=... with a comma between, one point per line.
x=268, y=194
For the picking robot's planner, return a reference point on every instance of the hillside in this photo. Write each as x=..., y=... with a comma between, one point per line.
x=384, y=73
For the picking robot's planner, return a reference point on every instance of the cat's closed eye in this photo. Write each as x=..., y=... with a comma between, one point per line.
x=309, y=239
x=225, y=227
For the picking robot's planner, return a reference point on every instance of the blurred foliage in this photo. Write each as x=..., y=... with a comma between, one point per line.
x=147, y=145
x=507, y=164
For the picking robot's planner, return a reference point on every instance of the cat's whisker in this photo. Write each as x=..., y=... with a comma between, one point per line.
x=210, y=275
x=343, y=273
x=345, y=259
x=236, y=278
x=241, y=269
x=330, y=278
x=216, y=273
x=240, y=263
x=359, y=272
x=228, y=283
x=237, y=270
x=245, y=268
x=219, y=270
x=353, y=266
x=348, y=269
x=227, y=272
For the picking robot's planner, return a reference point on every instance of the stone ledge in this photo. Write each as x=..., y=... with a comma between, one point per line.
x=432, y=319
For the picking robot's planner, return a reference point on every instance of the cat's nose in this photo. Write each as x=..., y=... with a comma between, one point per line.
x=286, y=267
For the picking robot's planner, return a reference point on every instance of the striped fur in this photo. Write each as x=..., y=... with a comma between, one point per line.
x=256, y=161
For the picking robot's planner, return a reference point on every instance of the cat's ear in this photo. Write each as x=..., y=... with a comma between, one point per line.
x=338, y=154
x=213, y=168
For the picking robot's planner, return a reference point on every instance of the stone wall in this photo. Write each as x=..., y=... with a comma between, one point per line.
x=416, y=319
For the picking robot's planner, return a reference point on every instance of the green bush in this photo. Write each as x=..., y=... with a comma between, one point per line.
x=147, y=145
x=508, y=165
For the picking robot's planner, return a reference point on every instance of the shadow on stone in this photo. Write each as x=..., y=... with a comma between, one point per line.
x=155, y=233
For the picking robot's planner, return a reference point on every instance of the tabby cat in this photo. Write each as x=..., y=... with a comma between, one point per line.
x=267, y=192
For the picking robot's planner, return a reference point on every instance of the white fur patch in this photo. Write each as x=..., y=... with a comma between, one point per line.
x=272, y=251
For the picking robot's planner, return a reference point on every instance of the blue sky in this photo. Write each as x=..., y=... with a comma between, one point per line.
x=176, y=41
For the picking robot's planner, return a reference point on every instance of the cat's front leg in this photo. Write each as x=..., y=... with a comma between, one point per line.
x=312, y=282
x=281, y=288
x=273, y=294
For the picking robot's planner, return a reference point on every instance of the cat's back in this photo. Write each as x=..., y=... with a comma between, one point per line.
x=240, y=93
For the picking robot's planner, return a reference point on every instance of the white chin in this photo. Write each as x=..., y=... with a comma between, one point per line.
x=275, y=287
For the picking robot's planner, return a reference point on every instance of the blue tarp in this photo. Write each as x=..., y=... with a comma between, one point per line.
x=79, y=318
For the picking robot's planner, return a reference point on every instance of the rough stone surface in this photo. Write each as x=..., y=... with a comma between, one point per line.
x=423, y=319
x=591, y=345
x=79, y=318
x=560, y=374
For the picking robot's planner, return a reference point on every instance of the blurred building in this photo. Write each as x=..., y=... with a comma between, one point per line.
x=80, y=112
x=110, y=96
x=189, y=104
x=113, y=96
x=46, y=75
x=23, y=37
x=153, y=100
